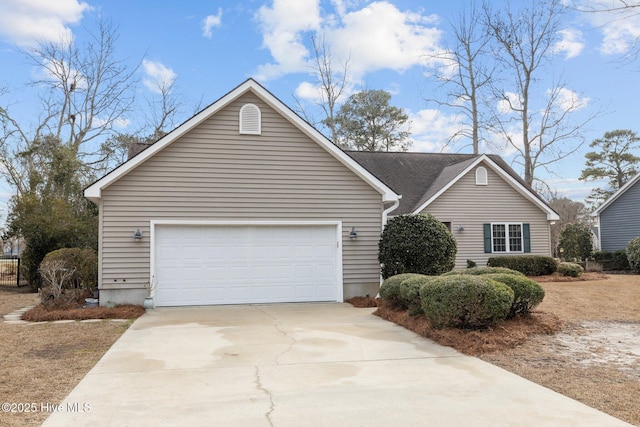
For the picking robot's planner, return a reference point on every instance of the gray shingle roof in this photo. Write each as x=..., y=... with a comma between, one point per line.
x=419, y=176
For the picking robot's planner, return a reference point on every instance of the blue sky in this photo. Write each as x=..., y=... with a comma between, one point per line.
x=209, y=47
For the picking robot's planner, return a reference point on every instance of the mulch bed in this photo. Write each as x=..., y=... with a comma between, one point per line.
x=41, y=314
x=506, y=335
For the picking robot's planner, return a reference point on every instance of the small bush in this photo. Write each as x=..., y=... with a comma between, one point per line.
x=570, y=269
x=84, y=262
x=416, y=244
x=527, y=294
x=471, y=264
x=68, y=275
x=465, y=301
x=617, y=260
x=529, y=265
x=479, y=271
x=390, y=289
x=575, y=242
x=410, y=293
x=633, y=254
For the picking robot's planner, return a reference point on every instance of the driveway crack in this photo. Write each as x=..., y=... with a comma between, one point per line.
x=261, y=387
x=276, y=325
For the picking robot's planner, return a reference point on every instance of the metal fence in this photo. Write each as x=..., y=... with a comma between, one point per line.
x=10, y=270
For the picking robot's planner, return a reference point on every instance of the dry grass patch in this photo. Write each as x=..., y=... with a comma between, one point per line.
x=583, y=341
x=43, y=362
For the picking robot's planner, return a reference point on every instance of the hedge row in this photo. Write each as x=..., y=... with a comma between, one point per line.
x=471, y=298
x=530, y=265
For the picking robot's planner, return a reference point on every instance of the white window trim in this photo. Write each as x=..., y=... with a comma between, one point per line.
x=508, y=243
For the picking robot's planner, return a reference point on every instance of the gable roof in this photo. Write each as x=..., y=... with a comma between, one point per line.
x=422, y=177
x=616, y=195
x=94, y=191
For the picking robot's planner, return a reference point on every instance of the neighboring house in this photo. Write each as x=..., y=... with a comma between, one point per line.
x=619, y=217
x=489, y=209
x=243, y=203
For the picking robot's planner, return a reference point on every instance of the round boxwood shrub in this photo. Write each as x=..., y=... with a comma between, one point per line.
x=633, y=254
x=390, y=289
x=478, y=271
x=410, y=293
x=416, y=244
x=570, y=269
x=465, y=301
x=526, y=293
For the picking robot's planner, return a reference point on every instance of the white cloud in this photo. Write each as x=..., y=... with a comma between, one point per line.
x=26, y=22
x=509, y=103
x=377, y=36
x=431, y=130
x=157, y=75
x=119, y=123
x=570, y=44
x=620, y=29
x=282, y=27
x=620, y=35
x=568, y=100
x=380, y=36
x=210, y=22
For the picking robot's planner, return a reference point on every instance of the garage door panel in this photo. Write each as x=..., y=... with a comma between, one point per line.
x=199, y=265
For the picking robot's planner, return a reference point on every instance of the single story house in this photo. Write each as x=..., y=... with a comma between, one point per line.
x=489, y=209
x=618, y=217
x=248, y=203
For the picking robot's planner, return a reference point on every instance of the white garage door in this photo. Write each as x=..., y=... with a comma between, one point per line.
x=202, y=265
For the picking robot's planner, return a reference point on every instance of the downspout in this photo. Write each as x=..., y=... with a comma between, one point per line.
x=385, y=214
x=390, y=209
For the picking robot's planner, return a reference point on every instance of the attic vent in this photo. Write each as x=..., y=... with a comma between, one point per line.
x=250, y=119
x=481, y=176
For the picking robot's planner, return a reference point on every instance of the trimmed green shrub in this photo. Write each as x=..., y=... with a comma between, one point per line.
x=526, y=293
x=390, y=289
x=410, y=293
x=416, y=244
x=529, y=265
x=465, y=301
x=570, y=269
x=617, y=260
x=633, y=254
x=478, y=271
x=83, y=262
x=471, y=264
x=575, y=242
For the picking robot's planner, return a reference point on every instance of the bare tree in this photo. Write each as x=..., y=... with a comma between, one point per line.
x=464, y=73
x=163, y=108
x=525, y=44
x=85, y=92
x=332, y=85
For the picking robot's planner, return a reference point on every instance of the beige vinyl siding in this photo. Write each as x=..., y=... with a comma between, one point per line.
x=213, y=173
x=471, y=205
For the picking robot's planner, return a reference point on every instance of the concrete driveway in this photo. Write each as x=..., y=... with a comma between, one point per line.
x=301, y=365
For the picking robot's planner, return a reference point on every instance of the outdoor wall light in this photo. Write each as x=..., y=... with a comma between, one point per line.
x=461, y=228
x=137, y=236
x=353, y=233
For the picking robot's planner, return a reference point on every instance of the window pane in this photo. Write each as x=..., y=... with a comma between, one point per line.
x=499, y=238
x=515, y=238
